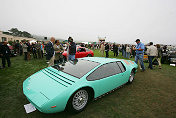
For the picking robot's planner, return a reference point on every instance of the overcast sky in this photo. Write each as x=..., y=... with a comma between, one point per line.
x=121, y=21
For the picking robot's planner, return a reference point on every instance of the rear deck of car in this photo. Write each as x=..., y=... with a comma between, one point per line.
x=101, y=60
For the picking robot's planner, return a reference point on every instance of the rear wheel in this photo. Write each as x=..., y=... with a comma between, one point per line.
x=78, y=101
x=131, y=78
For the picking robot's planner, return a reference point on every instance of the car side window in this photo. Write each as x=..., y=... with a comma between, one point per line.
x=104, y=71
x=122, y=67
x=79, y=50
x=82, y=50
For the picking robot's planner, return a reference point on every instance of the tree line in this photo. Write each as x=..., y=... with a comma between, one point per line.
x=16, y=32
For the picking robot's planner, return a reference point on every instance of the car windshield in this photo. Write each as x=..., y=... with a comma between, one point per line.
x=77, y=68
x=87, y=50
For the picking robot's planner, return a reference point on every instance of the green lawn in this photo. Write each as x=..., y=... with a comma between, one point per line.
x=152, y=94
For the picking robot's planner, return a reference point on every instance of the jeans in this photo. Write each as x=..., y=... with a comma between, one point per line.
x=150, y=58
x=128, y=55
x=124, y=53
x=140, y=58
x=71, y=57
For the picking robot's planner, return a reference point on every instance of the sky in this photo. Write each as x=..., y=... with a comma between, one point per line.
x=120, y=21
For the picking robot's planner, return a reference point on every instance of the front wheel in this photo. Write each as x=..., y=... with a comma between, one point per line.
x=78, y=101
x=131, y=78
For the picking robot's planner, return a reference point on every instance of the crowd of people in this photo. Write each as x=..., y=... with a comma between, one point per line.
x=54, y=49
x=36, y=50
x=137, y=52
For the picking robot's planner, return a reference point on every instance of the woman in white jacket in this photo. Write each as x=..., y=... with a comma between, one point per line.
x=128, y=50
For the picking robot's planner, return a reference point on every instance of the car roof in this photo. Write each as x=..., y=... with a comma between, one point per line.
x=101, y=60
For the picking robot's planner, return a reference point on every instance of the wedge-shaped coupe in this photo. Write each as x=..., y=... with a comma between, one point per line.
x=73, y=84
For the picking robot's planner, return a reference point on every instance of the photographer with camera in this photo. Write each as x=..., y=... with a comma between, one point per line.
x=71, y=49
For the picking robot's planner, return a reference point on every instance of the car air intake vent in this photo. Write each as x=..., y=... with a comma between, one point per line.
x=61, y=76
x=50, y=76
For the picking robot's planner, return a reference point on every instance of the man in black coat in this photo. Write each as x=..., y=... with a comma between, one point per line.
x=72, y=49
x=115, y=49
x=5, y=52
x=107, y=50
x=50, y=51
x=0, y=52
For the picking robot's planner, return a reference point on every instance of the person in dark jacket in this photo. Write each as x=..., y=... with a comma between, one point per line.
x=107, y=50
x=34, y=50
x=71, y=49
x=114, y=49
x=28, y=50
x=5, y=52
x=50, y=51
x=0, y=51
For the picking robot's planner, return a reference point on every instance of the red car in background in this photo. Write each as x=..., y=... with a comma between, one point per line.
x=13, y=53
x=80, y=52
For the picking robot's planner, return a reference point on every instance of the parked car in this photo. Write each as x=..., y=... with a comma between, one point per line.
x=172, y=56
x=13, y=53
x=80, y=53
x=169, y=56
x=72, y=85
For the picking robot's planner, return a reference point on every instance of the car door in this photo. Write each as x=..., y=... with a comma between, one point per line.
x=107, y=77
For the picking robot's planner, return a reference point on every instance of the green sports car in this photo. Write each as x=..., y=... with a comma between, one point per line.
x=73, y=84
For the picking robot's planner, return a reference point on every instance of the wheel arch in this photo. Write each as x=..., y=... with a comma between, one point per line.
x=134, y=70
x=88, y=88
x=89, y=55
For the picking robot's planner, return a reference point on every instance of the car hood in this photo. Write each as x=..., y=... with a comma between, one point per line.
x=47, y=84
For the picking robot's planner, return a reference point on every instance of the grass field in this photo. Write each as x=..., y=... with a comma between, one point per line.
x=152, y=94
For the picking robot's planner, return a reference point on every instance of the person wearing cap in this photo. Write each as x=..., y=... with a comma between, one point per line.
x=152, y=52
x=140, y=53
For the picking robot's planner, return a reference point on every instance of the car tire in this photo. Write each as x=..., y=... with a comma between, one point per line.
x=78, y=101
x=89, y=55
x=131, y=78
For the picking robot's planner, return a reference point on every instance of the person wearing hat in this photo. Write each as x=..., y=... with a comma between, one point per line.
x=139, y=53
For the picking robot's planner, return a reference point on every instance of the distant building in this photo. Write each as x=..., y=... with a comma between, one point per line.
x=5, y=37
